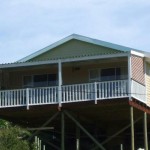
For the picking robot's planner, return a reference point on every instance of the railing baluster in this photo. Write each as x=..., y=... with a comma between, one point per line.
x=84, y=89
x=82, y=92
x=48, y=95
x=55, y=97
x=2, y=98
x=70, y=94
x=85, y=92
x=51, y=94
x=27, y=98
x=73, y=93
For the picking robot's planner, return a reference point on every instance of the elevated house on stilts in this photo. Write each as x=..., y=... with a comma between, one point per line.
x=80, y=94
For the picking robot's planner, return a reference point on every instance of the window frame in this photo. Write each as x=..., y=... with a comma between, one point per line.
x=33, y=83
x=100, y=78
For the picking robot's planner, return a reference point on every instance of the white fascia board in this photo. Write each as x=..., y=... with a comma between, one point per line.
x=101, y=43
x=37, y=53
x=137, y=53
x=26, y=64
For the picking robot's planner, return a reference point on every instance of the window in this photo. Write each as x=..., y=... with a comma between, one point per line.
x=94, y=75
x=52, y=80
x=40, y=80
x=108, y=74
x=27, y=81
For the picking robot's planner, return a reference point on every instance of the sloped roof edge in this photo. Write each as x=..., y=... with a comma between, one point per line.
x=77, y=37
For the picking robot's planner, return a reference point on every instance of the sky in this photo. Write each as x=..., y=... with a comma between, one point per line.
x=30, y=25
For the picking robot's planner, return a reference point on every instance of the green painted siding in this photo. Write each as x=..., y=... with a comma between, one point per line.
x=75, y=48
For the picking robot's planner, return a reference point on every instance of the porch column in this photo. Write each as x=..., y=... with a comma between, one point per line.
x=129, y=76
x=132, y=128
x=145, y=131
x=59, y=82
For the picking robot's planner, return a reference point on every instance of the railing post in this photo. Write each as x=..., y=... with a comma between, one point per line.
x=95, y=92
x=27, y=98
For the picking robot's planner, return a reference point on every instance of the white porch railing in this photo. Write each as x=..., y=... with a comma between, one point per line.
x=70, y=93
x=43, y=95
x=12, y=98
x=97, y=90
x=138, y=91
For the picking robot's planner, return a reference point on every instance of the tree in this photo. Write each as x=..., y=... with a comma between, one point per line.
x=13, y=137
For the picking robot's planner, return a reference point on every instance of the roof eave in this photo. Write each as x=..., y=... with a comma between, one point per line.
x=26, y=64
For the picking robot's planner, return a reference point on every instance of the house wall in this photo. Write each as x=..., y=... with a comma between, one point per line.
x=1, y=79
x=71, y=73
x=147, y=78
x=137, y=66
x=71, y=76
x=4, y=80
x=16, y=78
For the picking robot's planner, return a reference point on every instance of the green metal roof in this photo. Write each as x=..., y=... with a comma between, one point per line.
x=75, y=46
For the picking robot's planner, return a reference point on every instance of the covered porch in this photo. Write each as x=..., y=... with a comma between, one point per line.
x=62, y=81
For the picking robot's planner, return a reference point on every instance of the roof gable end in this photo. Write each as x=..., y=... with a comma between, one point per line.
x=76, y=37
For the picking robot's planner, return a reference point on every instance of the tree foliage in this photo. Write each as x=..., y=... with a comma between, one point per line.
x=13, y=137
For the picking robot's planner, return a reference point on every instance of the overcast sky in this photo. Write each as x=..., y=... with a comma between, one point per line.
x=29, y=25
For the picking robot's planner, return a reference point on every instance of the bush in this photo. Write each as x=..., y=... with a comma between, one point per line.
x=13, y=137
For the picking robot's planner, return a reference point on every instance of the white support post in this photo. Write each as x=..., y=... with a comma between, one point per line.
x=59, y=83
x=145, y=72
x=43, y=147
x=27, y=98
x=129, y=76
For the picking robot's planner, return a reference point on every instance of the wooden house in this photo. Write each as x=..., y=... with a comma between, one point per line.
x=103, y=88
